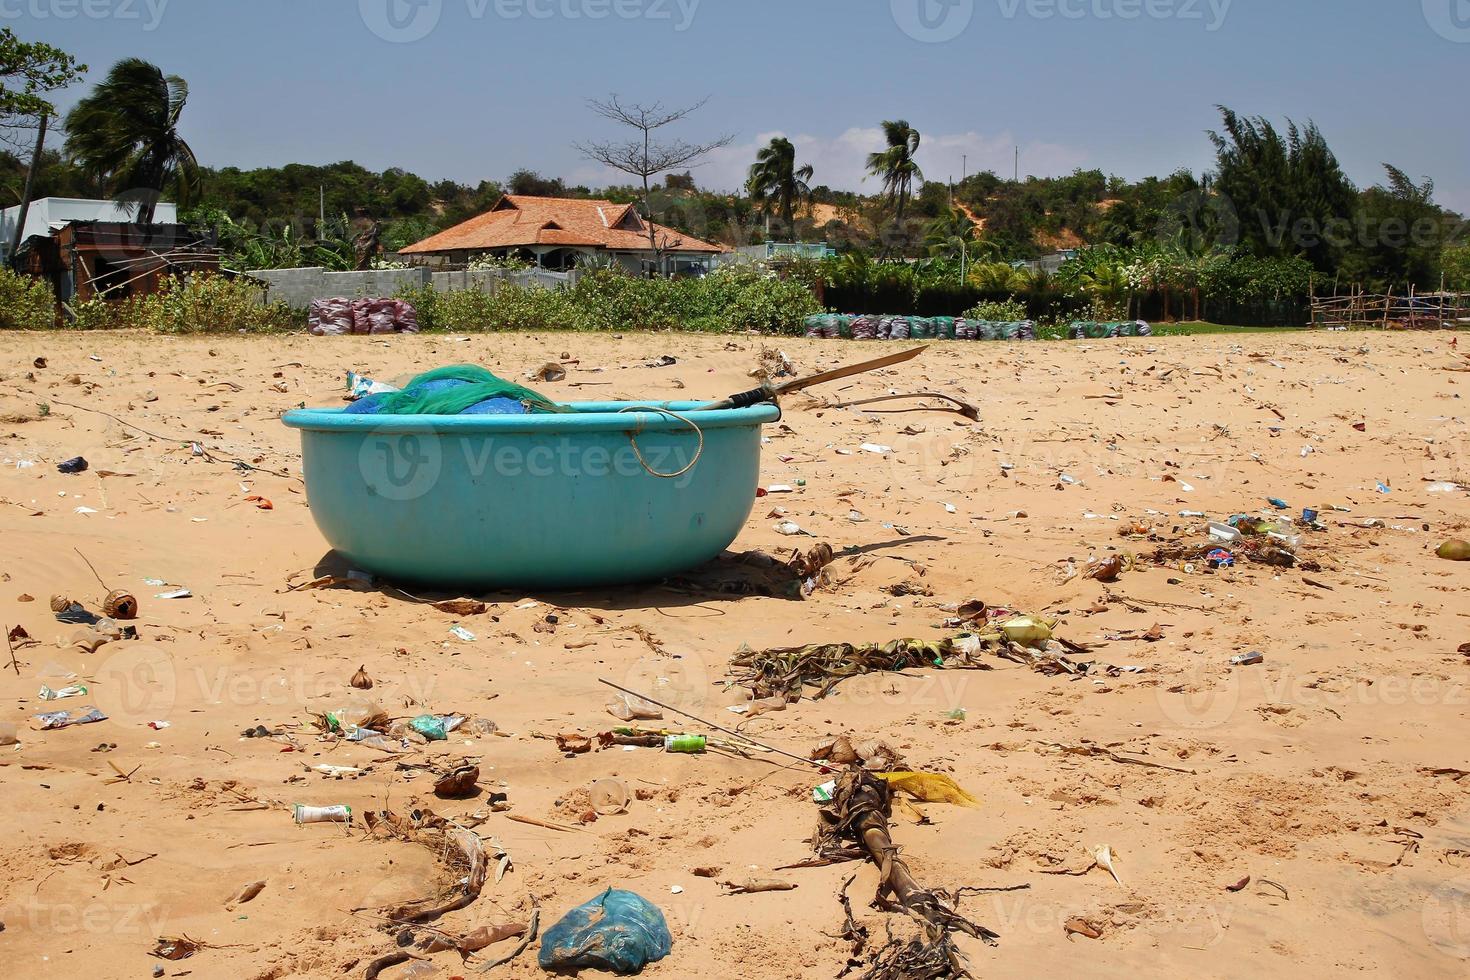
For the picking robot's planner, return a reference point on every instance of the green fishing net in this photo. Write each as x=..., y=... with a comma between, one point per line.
x=421, y=396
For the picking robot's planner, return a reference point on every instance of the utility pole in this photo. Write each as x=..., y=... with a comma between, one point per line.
x=25, y=197
x=321, y=220
x=1017, y=176
x=964, y=167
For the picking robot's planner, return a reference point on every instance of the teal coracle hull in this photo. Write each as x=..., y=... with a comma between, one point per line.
x=532, y=501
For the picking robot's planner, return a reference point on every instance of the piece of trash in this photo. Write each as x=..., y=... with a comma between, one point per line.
x=458, y=784
x=550, y=371
x=74, y=691
x=360, y=387
x=1278, y=503
x=1455, y=549
x=685, y=744
x=261, y=502
x=1081, y=927
x=175, y=594
x=1224, y=533
x=65, y=719
x=609, y=796
x=245, y=894
x=869, y=447
x=823, y=793
x=929, y=787
x=120, y=605
x=175, y=948
x=159, y=726
x=436, y=728
x=630, y=707
x=338, y=813
x=1191, y=513
x=618, y=931
x=1442, y=487
x=789, y=529
x=77, y=464
x=780, y=488
x=361, y=680
x=1239, y=885
x=1384, y=487
x=462, y=633
x=1220, y=558
x=1108, y=570
x=1248, y=659
x=1103, y=855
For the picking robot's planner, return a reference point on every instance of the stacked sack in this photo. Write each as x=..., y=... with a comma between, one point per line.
x=1093, y=330
x=830, y=326
x=339, y=316
x=330, y=317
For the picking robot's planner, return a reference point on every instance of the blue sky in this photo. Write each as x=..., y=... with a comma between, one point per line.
x=473, y=89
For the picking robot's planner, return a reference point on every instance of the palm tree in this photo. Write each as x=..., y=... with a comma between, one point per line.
x=127, y=134
x=896, y=166
x=776, y=179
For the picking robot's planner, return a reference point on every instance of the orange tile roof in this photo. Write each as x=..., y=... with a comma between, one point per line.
x=518, y=221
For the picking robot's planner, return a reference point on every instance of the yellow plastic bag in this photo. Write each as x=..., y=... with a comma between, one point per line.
x=929, y=787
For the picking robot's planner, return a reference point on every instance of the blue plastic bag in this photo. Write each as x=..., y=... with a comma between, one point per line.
x=617, y=931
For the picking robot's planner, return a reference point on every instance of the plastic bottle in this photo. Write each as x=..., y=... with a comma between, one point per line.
x=687, y=744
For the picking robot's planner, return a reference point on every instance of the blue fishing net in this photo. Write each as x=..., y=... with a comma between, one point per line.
x=462, y=389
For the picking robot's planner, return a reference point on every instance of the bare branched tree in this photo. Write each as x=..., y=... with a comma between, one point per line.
x=644, y=157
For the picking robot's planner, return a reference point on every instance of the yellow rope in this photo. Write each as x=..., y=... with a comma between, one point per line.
x=633, y=438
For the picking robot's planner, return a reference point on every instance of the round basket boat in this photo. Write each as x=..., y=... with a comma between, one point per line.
x=611, y=493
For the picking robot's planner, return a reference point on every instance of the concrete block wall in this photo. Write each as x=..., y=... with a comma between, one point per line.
x=298, y=287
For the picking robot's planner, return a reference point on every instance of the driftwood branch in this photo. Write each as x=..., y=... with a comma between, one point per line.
x=963, y=408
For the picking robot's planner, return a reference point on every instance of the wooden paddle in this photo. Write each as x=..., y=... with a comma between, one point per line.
x=769, y=392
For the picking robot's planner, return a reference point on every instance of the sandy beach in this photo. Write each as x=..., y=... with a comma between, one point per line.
x=1334, y=774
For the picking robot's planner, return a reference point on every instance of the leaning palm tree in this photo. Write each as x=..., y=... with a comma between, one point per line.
x=776, y=180
x=895, y=165
x=126, y=133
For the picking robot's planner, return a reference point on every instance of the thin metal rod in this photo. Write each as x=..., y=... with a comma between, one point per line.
x=710, y=724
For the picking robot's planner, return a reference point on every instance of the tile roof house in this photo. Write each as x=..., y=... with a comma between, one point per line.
x=554, y=231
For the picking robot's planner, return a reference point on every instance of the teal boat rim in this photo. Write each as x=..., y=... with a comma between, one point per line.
x=586, y=417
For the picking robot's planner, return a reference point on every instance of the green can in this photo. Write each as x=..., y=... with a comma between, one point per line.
x=688, y=744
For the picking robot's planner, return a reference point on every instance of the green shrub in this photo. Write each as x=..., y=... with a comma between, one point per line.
x=212, y=304
x=26, y=303
x=1002, y=311
x=733, y=299
x=101, y=314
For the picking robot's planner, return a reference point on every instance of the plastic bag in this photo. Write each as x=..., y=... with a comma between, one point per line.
x=617, y=931
x=929, y=787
